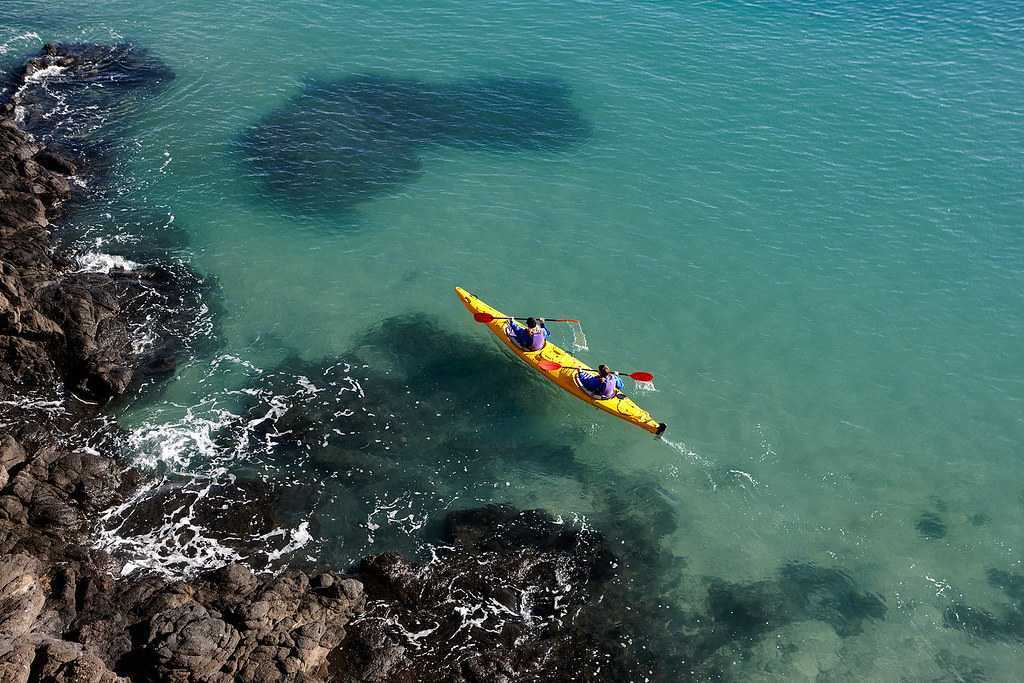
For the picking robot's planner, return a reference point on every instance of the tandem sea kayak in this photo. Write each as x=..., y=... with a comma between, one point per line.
x=567, y=376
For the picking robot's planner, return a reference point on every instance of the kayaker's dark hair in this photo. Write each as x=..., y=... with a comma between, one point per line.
x=603, y=370
x=531, y=323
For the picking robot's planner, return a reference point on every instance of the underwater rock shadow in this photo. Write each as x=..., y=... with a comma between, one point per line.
x=980, y=623
x=411, y=401
x=342, y=142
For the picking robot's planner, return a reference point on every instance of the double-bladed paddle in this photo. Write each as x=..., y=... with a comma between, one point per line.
x=638, y=376
x=487, y=317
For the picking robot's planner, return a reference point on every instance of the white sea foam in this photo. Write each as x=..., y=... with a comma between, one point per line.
x=144, y=340
x=644, y=387
x=299, y=538
x=767, y=450
x=163, y=167
x=399, y=513
x=744, y=476
x=192, y=458
x=940, y=585
x=34, y=404
x=176, y=546
x=10, y=43
x=44, y=73
x=59, y=108
x=684, y=450
x=96, y=262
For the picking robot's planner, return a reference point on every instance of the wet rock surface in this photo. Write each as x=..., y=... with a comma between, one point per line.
x=58, y=324
x=74, y=622
x=70, y=91
x=502, y=601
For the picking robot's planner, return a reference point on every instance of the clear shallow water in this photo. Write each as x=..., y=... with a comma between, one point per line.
x=804, y=218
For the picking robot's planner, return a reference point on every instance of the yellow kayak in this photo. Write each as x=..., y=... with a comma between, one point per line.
x=567, y=377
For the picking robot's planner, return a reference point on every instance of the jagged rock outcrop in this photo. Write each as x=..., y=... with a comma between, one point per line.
x=64, y=617
x=48, y=498
x=500, y=602
x=58, y=325
x=227, y=625
x=63, y=614
x=55, y=325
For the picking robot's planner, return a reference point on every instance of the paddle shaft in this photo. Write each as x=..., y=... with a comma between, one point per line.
x=486, y=318
x=552, y=365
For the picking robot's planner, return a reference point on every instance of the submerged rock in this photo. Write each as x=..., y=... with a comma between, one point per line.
x=339, y=143
x=801, y=592
x=72, y=90
x=931, y=526
x=980, y=623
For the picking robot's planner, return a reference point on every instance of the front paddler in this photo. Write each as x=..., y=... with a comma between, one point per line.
x=533, y=336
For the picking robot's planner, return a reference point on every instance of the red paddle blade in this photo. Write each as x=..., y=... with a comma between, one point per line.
x=548, y=365
x=483, y=317
x=641, y=376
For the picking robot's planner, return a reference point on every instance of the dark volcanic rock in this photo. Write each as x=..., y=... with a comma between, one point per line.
x=58, y=325
x=223, y=626
x=51, y=327
x=63, y=616
x=500, y=602
x=227, y=626
x=48, y=496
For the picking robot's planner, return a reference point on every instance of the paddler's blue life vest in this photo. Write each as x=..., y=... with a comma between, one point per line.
x=530, y=341
x=602, y=387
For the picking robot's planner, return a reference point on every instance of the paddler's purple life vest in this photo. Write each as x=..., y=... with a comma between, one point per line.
x=600, y=387
x=530, y=341
x=536, y=340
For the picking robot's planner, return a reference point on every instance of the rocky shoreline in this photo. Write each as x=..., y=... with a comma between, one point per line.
x=67, y=341
x=65, y=338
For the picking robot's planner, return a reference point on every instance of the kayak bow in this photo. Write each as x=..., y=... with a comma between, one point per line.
x=567, y=375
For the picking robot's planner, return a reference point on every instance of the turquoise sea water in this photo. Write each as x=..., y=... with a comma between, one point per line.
x=803, y=218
